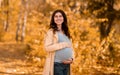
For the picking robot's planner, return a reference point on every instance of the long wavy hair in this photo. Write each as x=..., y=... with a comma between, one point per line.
x=53, y=25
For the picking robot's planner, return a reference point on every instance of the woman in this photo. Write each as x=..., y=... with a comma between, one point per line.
x=58, y=46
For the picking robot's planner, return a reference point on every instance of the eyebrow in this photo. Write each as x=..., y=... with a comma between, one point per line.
x=59, y=15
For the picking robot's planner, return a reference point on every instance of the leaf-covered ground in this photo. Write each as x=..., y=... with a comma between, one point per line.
x=13, y=60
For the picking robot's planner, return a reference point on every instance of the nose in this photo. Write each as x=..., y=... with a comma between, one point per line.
x=58, y=17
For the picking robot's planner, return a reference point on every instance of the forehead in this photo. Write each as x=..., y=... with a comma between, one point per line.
x=58, y=13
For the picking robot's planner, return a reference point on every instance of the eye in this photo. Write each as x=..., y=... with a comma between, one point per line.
x=60, y=16
x=55, y=16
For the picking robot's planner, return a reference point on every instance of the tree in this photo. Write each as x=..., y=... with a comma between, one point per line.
x=0, y=2
x=22, y=19
x=6, y=13
x=106, y=14
x=103, y=9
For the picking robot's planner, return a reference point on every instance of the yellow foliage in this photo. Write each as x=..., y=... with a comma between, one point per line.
x=85, y=37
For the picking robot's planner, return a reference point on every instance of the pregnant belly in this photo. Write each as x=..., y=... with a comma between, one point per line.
x=63, y=54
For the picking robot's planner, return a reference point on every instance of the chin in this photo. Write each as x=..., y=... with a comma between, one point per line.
x=59, y=23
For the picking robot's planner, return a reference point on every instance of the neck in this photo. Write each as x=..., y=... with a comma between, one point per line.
x=59, y=27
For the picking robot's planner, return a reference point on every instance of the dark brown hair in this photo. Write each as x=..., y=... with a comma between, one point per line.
x=64, y=24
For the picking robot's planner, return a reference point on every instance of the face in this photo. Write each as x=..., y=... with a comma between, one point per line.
x=58, y=18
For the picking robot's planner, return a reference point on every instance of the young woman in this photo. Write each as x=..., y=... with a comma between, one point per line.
x=58, y=46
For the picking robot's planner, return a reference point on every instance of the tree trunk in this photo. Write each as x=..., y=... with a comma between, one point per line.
x=6, y=12
x=24, y=20
x=1, y=3
x=18, y=27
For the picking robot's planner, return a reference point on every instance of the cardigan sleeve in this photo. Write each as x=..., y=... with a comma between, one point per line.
x=49, y=42
x=73, y=56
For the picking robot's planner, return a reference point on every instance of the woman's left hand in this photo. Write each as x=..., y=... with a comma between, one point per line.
x=69, y=61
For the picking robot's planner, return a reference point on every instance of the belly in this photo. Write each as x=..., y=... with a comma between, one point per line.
x=63, y=54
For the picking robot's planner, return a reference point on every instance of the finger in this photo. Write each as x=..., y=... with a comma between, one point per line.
x=67, y=62
x=70, y=59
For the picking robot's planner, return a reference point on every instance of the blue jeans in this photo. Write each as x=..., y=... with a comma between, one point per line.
x=61, y=69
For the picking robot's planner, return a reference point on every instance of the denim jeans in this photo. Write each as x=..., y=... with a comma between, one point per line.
x=61, y=69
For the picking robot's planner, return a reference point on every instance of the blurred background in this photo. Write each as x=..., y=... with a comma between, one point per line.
x=94, y=26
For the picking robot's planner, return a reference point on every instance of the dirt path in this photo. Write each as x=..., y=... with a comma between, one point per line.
x=13, y=61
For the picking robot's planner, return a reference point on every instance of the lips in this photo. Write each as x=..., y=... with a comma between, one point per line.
x=58, y=21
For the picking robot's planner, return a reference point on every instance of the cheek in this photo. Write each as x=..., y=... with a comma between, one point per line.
x=55, y=19
x=62, y=19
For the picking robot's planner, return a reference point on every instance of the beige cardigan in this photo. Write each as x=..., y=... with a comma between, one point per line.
x=51, y=45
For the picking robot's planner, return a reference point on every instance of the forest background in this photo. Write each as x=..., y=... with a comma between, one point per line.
x=94, y=26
